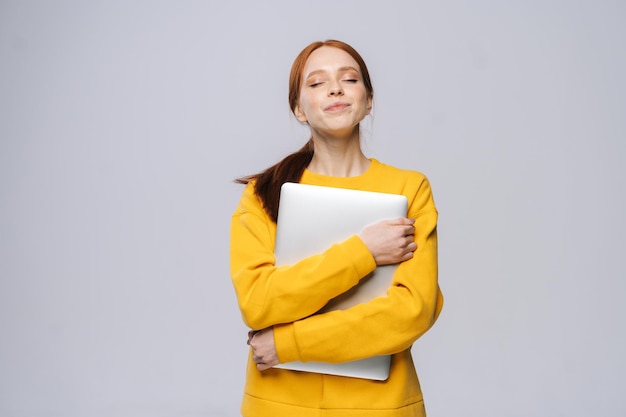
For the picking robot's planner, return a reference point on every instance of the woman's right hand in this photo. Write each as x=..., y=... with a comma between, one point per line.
x=390, y=241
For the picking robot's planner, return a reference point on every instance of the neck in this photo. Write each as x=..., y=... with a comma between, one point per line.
x=338, y=156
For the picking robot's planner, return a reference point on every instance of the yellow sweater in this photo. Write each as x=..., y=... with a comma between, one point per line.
x=286, y=298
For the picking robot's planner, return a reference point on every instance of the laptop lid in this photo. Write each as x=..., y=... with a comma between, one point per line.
x=310, y=219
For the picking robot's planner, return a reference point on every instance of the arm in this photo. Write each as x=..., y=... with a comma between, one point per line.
x=270, y=295
x=385, y=325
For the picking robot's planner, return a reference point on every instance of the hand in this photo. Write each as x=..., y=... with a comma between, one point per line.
x=390, y=241
x=263, y=348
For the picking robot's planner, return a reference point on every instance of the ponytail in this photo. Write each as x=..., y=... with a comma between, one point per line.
x=267, y=183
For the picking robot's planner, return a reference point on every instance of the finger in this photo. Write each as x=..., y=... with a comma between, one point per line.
x=409, y=250
x=401, y=221
x=410, y=245
x=251, y=334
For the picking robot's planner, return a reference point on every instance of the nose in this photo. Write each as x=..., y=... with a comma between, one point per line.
x=335, y=90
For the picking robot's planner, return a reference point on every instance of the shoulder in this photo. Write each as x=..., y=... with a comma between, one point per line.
x=249, y=202
x=414, y=184
x=411, y=178
x=249, y=218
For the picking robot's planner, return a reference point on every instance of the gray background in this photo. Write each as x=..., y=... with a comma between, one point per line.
x=122, y=124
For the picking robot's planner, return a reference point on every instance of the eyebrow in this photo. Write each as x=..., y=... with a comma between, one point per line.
x=342, y=69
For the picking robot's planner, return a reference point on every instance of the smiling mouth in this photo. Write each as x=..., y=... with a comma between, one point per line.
x=337, y=107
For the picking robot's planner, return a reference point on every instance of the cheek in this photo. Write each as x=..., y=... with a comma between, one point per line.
x=303, y=109
x=359, y=94
x=306, y=103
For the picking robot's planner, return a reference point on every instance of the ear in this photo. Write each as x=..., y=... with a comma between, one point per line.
x=299, y=114
x=370, y=103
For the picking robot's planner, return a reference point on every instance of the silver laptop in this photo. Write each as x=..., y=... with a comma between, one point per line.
x=310, y=219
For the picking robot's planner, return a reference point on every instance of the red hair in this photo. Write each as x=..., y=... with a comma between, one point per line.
x=268, y=182
x=297, y=68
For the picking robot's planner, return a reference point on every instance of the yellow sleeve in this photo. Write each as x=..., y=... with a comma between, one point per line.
x=385, y=325
x=270, y=295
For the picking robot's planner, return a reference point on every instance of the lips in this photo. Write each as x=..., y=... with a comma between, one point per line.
x=336, y=107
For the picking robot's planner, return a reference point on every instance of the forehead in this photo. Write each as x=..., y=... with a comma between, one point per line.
x=329, y=59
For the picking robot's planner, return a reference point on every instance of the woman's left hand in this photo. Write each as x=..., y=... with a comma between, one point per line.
x=263, y=348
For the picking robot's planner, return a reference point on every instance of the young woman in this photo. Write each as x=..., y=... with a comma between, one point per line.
x=330, y=91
